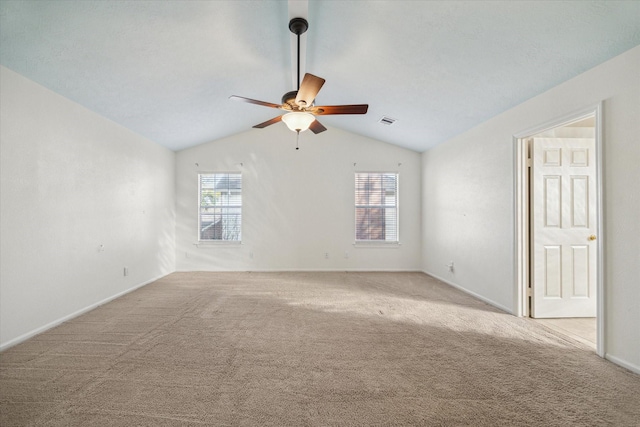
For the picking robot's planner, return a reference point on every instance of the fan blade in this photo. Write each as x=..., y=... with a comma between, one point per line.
x=268, y=122
x=340, y=109
x=309, y=88
x=255, y=101
x=316, y=127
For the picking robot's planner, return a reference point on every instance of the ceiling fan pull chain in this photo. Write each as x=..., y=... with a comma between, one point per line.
x=297, y=138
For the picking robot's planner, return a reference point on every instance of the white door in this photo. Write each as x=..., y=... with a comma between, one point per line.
x=564, y=257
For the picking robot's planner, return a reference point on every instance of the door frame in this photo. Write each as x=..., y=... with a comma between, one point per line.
x=521, y=212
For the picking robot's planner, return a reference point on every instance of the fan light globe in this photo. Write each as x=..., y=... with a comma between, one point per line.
x=298, y=122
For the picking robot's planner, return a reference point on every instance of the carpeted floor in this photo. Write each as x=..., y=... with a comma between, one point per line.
x=251, y=349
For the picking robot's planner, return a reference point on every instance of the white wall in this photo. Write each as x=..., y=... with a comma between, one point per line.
x=468, y=198
x=297, y=204
x=72, y=181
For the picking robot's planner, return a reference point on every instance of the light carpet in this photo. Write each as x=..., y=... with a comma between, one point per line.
x=252, y=349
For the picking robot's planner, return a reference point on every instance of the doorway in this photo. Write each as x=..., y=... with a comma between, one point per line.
x=559, y=226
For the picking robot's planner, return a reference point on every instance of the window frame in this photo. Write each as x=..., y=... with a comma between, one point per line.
x=220, y=241
x=377, y=242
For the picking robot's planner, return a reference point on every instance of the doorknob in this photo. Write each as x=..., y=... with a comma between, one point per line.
x=592, y=237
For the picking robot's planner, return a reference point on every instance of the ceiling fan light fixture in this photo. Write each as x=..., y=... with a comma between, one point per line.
x=298, y=121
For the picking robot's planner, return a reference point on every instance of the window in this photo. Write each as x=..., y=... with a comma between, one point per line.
x=220, y=216
x=377, y=207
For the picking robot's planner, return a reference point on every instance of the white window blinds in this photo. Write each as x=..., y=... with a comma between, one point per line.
x=220, y=216
x=377, y=207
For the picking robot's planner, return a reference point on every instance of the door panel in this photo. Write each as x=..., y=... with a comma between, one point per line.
x=552, y=201
x=580, y=201
x=563, y=214
x=580, y=261
x=553, y=272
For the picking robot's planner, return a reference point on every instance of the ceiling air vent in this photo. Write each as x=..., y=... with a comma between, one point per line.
x=387, y=120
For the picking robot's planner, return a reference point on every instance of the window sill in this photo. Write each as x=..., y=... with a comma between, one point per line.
x=213, y=243
x=374, y=244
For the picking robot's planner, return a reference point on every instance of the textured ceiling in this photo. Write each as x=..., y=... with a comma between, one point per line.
x=165, y=69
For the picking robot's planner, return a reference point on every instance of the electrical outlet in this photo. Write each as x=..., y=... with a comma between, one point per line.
x=346, y=254
x=326, y=255
x=126, y=271
x=450, y=266
x=251, y=255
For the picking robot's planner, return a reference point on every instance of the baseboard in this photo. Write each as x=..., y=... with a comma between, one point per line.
x=57, y=322
x=621, y=362
x=473, y=294
x=308, y=270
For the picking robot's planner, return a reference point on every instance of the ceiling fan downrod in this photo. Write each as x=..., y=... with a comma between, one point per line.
x=298, y=26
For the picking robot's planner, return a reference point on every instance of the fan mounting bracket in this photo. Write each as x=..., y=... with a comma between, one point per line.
x=298, y=26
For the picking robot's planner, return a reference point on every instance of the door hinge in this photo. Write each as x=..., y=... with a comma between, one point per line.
x=529, y=293
x=528, y=163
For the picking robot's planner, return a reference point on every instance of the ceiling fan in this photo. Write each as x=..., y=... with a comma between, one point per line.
x=298, y=104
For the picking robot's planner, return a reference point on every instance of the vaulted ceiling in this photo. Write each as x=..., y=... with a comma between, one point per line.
x=165, y=69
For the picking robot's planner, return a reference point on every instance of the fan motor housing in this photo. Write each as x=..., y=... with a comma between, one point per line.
x=289, y=98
